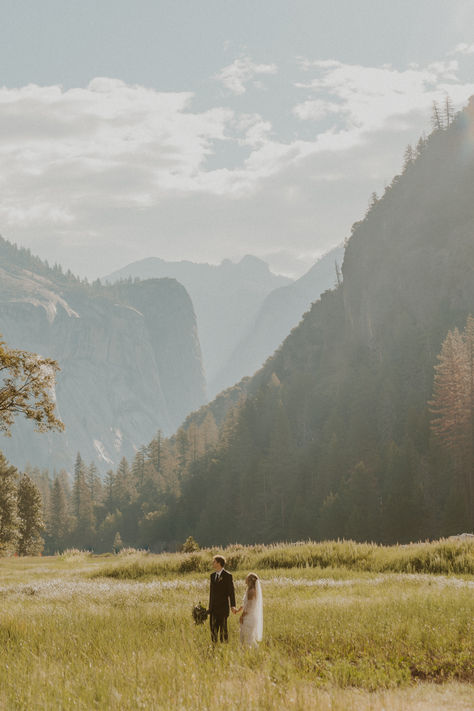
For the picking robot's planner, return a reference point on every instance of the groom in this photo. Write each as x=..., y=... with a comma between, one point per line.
x=221, y=591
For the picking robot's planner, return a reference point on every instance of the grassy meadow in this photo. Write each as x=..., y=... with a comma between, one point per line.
x=359, y=628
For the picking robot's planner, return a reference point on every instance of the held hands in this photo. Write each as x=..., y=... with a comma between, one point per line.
x=236, y=612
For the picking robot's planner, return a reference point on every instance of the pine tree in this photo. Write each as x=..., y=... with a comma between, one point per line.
x=436, y=120
x=409, y=157
x=373, y=200
x=182, y=451
x=124, y=487
x=138, y=469
x=448, y=111
x=209, y=433
x=59, y=518
x=109, y=491
x=195, y=447
x=453, y=407
x=43, y=482
x=30, y=518
x=94, y=483
x=83, y=534
x=117, y=544
x=450, y=401
x=155, y=450
x=469, y=469
x=421, y=145
x=8, y=506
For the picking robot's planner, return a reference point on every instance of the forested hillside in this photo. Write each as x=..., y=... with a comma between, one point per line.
x=334, y=438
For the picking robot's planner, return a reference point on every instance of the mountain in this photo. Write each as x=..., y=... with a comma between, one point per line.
x=281, y=311
x=226, y=299
x=332, y=437
x=129, y=357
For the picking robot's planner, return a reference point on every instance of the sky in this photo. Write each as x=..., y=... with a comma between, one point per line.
x=209, y=130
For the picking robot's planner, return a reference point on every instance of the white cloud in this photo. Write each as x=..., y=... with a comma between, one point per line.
x=463, y=48
x=241, y=72
x=374, y=98
x=31, y=215
x=316, y=109
x=109, y=141
x=124, y=172
x=255, y=130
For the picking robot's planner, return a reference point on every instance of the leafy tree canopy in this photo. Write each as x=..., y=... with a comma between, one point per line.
x=27, y=389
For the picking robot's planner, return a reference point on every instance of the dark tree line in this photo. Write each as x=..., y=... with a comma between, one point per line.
x=21, y=521
x=86, y=512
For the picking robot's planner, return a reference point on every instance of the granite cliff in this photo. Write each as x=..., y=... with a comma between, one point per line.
x=226, y=298
x=129, y=356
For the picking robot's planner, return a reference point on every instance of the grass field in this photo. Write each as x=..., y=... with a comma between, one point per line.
x=91, y=632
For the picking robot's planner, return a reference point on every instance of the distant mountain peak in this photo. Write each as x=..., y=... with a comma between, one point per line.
x=251, y=259
x=226, y=298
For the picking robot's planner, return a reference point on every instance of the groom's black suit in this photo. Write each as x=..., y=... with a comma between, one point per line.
x=221, y=591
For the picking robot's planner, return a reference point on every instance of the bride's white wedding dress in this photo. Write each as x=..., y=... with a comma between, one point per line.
x=251, y=629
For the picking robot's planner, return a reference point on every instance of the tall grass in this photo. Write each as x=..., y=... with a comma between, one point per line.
x=439, y=557
x=69, y=641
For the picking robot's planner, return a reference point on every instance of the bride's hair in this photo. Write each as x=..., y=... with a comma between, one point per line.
x=251, y=580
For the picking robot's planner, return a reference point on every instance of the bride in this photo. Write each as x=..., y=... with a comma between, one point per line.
x=251, y=619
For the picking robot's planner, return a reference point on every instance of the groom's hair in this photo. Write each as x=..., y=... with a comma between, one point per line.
x=219, y=559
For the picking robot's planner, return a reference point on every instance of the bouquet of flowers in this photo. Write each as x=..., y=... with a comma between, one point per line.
x=200, y=614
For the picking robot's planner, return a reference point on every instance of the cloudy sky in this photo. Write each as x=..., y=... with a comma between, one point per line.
x=213, y=129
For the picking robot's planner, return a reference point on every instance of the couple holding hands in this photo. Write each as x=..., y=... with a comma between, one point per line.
x=222, y=600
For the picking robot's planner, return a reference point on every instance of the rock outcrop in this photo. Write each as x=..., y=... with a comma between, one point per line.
x=129, y=357
x=226, y=298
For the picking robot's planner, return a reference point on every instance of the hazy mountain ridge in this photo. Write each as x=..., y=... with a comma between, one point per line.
x=226, y=299
x=281, y=311
x=129, y=357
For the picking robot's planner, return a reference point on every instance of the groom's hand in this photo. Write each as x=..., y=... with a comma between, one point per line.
x=234, y=610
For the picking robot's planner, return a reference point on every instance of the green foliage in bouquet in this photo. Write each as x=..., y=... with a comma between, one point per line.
x=199, y=614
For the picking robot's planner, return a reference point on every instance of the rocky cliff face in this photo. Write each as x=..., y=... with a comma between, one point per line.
x=129, y=357
x=226, y=297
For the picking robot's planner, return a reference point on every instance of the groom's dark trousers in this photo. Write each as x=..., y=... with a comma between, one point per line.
x=220, y=593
